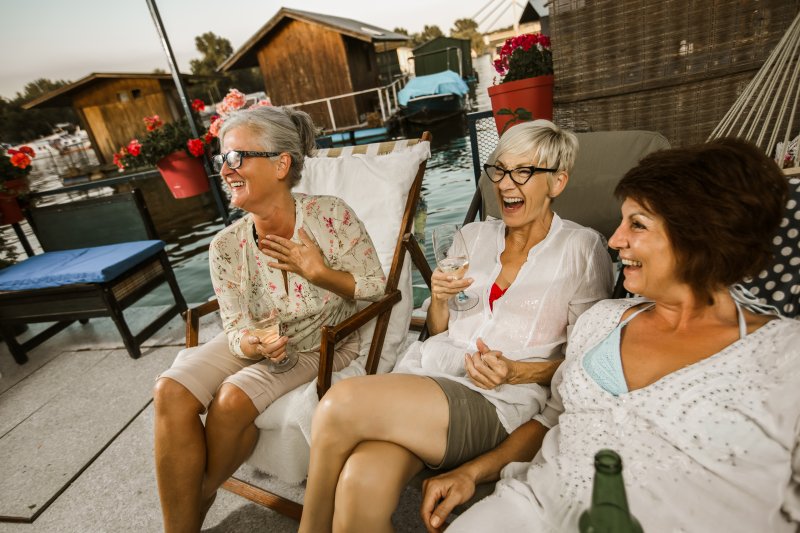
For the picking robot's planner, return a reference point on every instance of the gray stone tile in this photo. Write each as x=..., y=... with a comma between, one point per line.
x=28, y=395
x=44, y=452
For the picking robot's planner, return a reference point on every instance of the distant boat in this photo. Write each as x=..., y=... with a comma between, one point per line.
x=428, y=99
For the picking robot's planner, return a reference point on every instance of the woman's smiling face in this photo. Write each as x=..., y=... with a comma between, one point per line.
x=645, y=251
x=256, y=178
x=524, y=204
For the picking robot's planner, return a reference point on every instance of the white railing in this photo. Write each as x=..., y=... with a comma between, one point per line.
x=387, y=100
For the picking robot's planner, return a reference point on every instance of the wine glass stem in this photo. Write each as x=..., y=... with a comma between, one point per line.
x=461, y=296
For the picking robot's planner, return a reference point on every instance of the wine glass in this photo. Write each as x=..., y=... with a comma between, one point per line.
x=452, y=258
x=269, y=330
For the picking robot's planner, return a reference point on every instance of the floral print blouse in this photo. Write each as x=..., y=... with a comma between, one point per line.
x=248, y=289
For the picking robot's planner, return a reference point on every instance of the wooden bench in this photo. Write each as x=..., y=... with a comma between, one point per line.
x=80, y=229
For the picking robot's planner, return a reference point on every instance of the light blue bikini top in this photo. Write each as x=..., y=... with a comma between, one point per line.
x=603, y=361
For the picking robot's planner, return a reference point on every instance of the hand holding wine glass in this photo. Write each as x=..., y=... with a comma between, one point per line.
x=269, y=330
x=452, y=259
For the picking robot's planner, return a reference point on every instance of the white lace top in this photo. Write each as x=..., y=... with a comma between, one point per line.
x=710, y=447
x=563, y=276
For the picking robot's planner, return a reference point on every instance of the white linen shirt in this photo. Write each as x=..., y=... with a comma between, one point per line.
x=563, y=275
x=714, y=446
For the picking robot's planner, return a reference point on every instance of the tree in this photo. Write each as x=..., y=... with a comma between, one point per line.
x=401, y=31
x=428, y=33
x=215, y=50
x=18, y=125
x=468, y=29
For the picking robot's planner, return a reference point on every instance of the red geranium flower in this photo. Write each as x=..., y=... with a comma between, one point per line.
x=153, y=122
x=27, y=150
x=134, y=147
x=195, y=147
x=20, y=160
x=208, y=137
x=198, y=105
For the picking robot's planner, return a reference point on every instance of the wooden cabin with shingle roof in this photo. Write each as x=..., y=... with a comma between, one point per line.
x=306, y=56
x=111, y=106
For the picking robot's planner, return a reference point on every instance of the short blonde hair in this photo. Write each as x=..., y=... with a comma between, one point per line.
x=550, y=146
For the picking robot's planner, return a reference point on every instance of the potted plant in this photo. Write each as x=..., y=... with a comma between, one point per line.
x=172, y=150
x=15, y=165
x=526, y=89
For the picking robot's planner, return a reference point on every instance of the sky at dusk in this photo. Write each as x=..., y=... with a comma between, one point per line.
x=59, y=39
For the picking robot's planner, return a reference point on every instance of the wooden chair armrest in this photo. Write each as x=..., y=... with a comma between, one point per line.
x=333, y=334
x=193, y=315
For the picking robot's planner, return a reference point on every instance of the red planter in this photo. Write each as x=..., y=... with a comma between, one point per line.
x=522, y=100
x=184, y=174
x=10, y=211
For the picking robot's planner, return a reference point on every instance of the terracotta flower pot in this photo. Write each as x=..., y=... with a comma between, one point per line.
x=10, y=212
x=184, y=174
x=522, y=100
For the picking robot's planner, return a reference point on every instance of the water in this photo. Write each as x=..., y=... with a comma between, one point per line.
x=447, y=190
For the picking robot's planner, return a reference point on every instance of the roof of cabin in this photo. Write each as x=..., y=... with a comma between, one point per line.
x=62, y=97
x=245, y=56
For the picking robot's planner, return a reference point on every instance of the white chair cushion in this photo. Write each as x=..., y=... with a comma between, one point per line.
x=376, y=188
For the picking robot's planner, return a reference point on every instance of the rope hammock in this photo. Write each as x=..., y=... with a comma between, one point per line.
x=767, y=110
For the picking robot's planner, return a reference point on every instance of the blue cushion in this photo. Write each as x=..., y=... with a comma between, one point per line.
x=82, y=265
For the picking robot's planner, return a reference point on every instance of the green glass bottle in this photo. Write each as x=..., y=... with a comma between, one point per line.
x=609, y=511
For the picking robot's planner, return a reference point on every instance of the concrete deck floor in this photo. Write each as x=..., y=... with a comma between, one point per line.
x=76, y=439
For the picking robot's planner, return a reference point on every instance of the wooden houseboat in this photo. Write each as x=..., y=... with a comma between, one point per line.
x=307, y=56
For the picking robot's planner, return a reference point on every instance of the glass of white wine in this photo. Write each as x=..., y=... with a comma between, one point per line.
x=269, y=330
x=452, y=258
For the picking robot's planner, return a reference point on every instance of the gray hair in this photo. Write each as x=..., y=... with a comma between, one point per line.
x=550, y=146
x=280, y=129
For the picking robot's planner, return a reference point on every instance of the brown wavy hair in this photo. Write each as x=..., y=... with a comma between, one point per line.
x=722, y=203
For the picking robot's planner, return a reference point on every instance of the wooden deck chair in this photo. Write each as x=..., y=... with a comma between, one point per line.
x=382, y=183
x=603, y=158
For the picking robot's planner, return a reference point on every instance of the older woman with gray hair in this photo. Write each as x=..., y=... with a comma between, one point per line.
x=484, y=371
x=299, y=258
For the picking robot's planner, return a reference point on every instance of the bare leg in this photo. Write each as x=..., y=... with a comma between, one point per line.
x=180, y=453
x=370, y=486
x=231, y=435
x=370, y=408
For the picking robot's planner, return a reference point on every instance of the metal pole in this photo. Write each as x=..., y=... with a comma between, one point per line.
x=176, y=77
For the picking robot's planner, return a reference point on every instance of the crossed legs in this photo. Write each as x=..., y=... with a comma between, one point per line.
x=369, y=436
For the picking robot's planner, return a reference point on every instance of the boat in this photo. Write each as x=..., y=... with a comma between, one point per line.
x=435, y=97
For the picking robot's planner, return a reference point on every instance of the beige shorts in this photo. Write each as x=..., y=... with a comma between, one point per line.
x=202, y=370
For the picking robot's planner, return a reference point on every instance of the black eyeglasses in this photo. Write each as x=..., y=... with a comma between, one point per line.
x=519, y=175
x=234, y=158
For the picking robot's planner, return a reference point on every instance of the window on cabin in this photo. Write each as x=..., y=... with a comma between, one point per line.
x=136, y=93
x=123, y=96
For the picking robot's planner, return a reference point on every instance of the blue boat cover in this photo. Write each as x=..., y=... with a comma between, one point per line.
x=82, y=265
x=446, y=82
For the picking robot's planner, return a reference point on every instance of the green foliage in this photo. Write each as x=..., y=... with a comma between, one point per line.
x=18, y=125
x=468, y=29
x=401, y=31
x=529, y=64
x=158, y=143
x=215, y=50
x=428, y=33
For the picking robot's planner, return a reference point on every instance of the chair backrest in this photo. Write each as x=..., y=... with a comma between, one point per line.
x=779, y=284
x=381, y=182
x=93, y=222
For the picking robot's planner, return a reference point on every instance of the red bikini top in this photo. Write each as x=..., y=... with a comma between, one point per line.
x=495, y=293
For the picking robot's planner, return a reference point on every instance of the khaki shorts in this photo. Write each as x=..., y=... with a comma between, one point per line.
x=203, y=369
x=474, y=427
